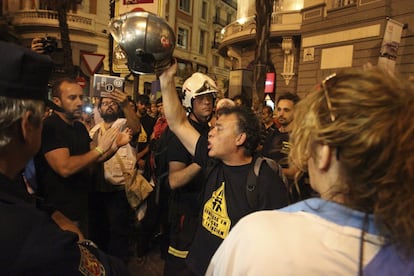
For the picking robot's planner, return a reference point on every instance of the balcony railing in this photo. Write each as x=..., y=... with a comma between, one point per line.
x=83, y=22
x=335, y=4
x=280, y=21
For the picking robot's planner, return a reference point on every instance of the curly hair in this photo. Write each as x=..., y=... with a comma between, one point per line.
x=247, y=123
x=367, y=116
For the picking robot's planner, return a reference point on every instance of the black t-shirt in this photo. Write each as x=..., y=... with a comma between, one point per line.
x=225, y=203
x=70, y=194
x=32, y=244
x=265, y=132
x=177, y=152
x=276, y=146
x=143, y=139
x=185, y=202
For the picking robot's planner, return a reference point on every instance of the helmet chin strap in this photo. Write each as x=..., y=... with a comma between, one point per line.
x=199, y=119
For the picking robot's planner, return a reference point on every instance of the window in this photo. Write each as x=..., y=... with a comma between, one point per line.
x=184, y=69
x=42, y=5
x=182, y=38
x=341, y=3
x=229, y=19
x=216, y=60
x=204, y=10
x=147, y=88
x=202, y=42
x=181, y=69
x=201, y=69
x=185, y=5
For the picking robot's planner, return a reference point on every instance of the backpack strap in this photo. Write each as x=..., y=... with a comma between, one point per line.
x=252, y=191
x=276, y=168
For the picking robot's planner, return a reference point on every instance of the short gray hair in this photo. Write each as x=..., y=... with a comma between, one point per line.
x=11, y=111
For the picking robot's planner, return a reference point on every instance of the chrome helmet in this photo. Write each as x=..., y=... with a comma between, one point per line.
x=196, y=85
x=147, y=40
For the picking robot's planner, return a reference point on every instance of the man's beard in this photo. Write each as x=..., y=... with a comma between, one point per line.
x=71, y=116
x=284, y=122
x=111, y=117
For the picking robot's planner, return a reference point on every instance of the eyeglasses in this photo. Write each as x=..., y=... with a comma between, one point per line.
x=109, y=104
x=325, y=85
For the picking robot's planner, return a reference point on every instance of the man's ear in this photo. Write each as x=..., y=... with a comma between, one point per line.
x=26, y=124
x=241, y=138
x=57, y=101
x=324, y=157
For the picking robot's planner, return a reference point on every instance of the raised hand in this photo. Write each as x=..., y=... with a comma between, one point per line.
x=106, y=141
x=37, y=45
x=123, y=137
x=120, y=96
x=168, y=74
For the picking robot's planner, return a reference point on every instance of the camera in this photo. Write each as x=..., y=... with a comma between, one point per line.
x=88, y=109
x=49, y=44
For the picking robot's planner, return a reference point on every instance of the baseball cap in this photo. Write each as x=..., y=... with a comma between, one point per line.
x=24, y=74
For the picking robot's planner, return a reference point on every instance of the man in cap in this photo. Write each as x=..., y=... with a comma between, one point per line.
x=32, y=242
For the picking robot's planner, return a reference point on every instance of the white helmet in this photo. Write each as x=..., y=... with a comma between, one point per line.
x=196, y=85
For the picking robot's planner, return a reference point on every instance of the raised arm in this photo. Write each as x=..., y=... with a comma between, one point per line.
x=174, y=111
x=180, y=174
x=133, y=121
x=65, y=164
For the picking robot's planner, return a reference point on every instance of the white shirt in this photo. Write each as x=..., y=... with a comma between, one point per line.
x=312, y=237
x=112, y=168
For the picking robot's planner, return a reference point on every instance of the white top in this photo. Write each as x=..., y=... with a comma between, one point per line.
x=112, y=168
x=312, y=237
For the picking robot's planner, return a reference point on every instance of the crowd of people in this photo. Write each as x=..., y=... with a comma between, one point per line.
x=329, y=176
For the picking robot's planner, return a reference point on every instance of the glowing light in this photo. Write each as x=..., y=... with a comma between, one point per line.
x=242, y=20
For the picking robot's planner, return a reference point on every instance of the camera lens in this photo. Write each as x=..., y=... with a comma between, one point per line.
x=49, y=44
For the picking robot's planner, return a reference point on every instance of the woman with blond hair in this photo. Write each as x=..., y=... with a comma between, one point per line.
x=355, y=136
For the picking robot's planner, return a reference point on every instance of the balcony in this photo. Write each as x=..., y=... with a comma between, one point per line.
x=244, y=30
x=280, y=22
x=81, y=22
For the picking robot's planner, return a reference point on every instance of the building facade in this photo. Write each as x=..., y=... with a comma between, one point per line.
x=197, y=25
x=309, y=39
